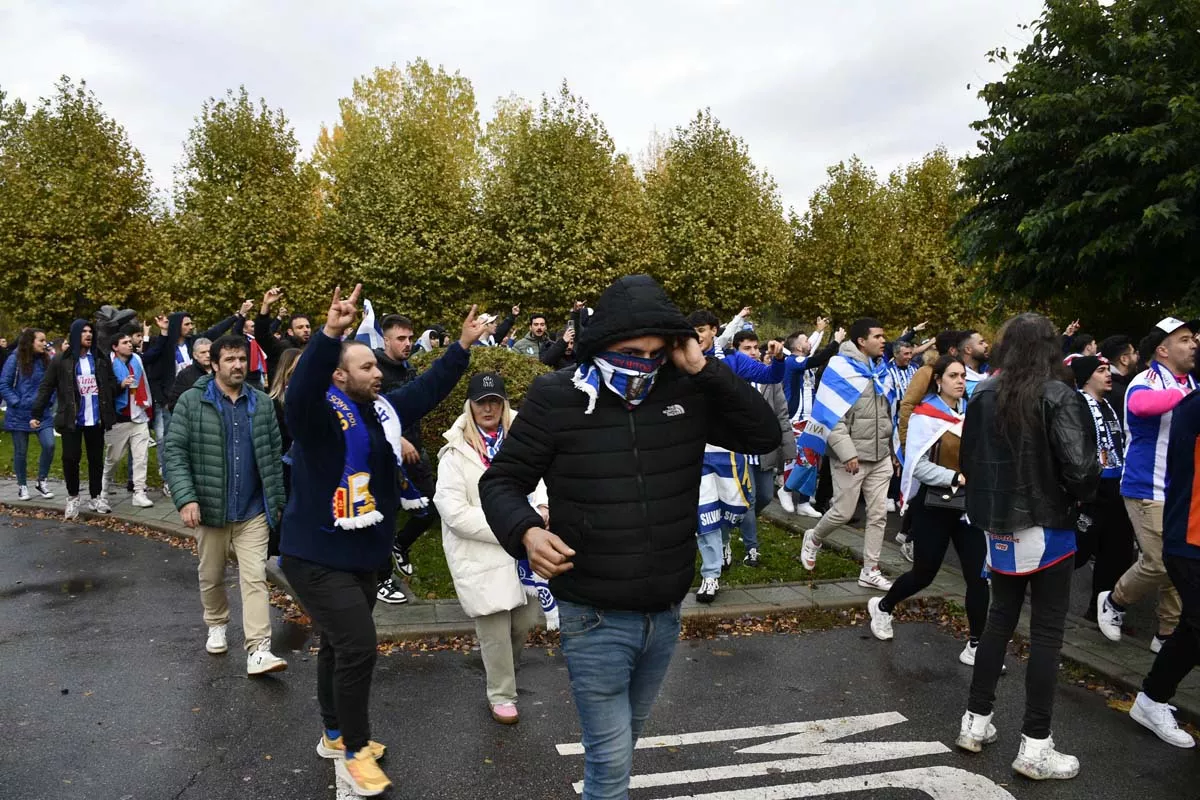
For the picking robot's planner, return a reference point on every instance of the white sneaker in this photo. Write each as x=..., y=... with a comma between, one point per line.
x=708, y=590
x=1037, y=759
x=873, y=579
x=390, y=592
x=891, y=506
x=975, y=731
x=100, y=505
x=1108, y=618
x=1158, y=718
x=807, y=510
x=217, y=642
x=906, y=550
x=41, y=488
x=785, y=500
x=881, y=621
x=726, y=557
x=967, y=656
x=72, y=509
x=809, y=550
x=261, y=660
x=1157, y=642
x=141, y=501
x=22, y=492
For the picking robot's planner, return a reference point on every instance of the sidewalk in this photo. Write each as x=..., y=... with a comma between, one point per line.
x=1124, y=663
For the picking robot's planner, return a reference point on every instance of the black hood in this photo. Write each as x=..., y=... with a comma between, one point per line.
x=76, y=335
x=175, y=327
x=633, y=306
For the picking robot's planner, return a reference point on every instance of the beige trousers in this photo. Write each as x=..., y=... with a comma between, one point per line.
x=132, y=436
x=501, y=638
x=871, y=481
x=249, y=543
x=1148, y=573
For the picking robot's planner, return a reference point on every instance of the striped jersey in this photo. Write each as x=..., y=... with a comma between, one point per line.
x=1145, y=475
x=1029, y=550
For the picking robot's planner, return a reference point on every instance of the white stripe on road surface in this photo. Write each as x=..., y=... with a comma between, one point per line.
x=840, y=755
x=937, y=783
x=844, y=726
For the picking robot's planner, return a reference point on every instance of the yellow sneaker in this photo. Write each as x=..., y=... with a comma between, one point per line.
x=362, y=773
x=336, y=748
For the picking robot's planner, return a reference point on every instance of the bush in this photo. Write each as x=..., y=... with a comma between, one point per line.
x=517, y=370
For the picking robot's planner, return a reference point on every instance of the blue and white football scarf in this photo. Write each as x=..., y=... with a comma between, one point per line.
x=353, y=503
x=725, y=487
x=183, y=358
x=844, y=381
x=629, y=377
x=1110, y=444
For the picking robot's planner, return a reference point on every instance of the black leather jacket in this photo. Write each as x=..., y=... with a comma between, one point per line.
x=1042, y=480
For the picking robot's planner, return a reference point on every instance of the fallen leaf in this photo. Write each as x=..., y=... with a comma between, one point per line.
x=721, y=653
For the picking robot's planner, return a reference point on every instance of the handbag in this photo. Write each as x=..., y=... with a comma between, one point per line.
x=947, y=497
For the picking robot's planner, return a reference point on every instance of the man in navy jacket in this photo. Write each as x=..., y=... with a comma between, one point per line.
x=333, y=568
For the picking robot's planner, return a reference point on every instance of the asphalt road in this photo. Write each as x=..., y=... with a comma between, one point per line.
x=106, y=692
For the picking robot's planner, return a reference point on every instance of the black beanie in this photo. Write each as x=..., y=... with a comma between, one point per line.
x=1084, y=367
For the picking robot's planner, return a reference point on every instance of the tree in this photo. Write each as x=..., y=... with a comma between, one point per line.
x=400, y=171
x=867, y=247
x=77, y=211
x=719, y=218
x=1088, y=179
x=247, y=212
x=564, y=213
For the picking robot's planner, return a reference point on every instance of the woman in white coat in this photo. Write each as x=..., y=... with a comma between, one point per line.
x=485, y=576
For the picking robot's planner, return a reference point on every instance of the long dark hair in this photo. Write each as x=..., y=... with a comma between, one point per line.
x=25, y=354
x=1029, y=354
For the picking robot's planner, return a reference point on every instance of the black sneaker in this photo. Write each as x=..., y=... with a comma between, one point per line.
x=707, y=591
x=390, y=593
x=41, y=488
x=400, y=563
x=751, y=559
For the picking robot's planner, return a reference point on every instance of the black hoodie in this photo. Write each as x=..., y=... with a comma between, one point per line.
x=624, y=481
x=159, y=357
x=59, y=381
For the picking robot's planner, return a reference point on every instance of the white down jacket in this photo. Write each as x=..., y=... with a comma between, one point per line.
x=485, y=576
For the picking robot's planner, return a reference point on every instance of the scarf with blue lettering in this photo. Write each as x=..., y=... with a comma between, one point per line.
x=533, y=584
x=843, y=382
x=630, y=377
x=353, y=504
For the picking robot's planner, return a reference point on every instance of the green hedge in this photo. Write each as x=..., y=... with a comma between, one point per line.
x=518, y=372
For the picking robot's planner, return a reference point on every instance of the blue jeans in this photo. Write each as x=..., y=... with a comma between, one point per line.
x=45, y=437
x=760, y=498
x=162, y=418
x=617, y=661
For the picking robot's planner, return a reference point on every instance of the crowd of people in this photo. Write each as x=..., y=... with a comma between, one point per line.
x=656, y=435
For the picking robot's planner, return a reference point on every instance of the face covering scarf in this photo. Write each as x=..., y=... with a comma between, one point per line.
x=631, y=378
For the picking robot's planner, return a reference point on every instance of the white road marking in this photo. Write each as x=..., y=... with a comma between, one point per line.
x=937, y=783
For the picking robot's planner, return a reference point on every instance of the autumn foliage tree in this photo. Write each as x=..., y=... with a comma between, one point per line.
x=77, y=210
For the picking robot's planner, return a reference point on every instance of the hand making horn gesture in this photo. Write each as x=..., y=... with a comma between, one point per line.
x=472, y=329
x=341, y=312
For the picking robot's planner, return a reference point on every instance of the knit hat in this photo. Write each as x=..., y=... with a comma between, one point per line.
x=1084, y=367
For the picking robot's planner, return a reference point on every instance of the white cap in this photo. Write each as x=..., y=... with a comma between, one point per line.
x=1169, y=325
x=488, y=319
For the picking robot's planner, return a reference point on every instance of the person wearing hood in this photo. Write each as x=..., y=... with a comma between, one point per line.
x=169, y=354
x=20, y=379
x=620, y=444
x=83, y=383
x=486, y=578
x=397, y=372
x=859, y=443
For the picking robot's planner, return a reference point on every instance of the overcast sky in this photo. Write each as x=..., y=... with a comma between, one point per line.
x=806, y=83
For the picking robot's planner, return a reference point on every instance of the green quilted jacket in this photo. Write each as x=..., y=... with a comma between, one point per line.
x=194, y=455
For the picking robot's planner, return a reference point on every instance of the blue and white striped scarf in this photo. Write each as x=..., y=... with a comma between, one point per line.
x=844, y=381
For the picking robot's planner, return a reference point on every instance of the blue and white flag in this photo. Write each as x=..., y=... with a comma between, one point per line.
x=843, y=382
x=369, y=332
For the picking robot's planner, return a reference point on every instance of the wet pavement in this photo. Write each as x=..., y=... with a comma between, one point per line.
x=105, y=685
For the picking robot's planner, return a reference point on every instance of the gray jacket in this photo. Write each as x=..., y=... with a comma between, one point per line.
x=865, y=432
x=773, y=394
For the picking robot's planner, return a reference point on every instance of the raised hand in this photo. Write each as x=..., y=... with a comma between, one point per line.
x=822, y=323
x=161, y=321
x=839, y=335
x=921, y=327
x=246, y=306
x=745, y=312
x=516, y=310
x=687, y=356
x=1072, y=329
x=342, y=312
x=775, y=349
x=472, y=329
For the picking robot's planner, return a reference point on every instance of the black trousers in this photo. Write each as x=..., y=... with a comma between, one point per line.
x=74, y=442
x=1181, y=651
x=340, y=604
x=933, y=529
x=1050, y=594
x=421, y=474
x=824, y=486
x=1109, y=539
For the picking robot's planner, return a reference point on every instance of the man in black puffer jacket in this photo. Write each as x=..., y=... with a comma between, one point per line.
x=620, y=444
